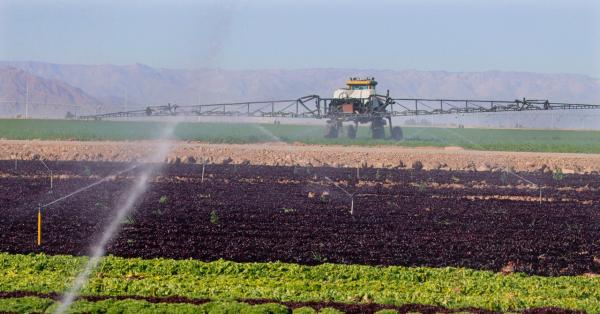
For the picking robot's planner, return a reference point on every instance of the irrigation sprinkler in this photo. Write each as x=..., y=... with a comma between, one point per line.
x=203, y=165
x=351, y=195
x=39, y=216
x=43, y=163
x=39, y=226
x=526, y=180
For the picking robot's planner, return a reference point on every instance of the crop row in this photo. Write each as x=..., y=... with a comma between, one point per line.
x=44, y=305
x=223, y=280
x=267, y=214
x=40, y=304
x=23, y=302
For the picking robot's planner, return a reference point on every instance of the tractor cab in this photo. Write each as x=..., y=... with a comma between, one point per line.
x=360, y=84
x=357, y=88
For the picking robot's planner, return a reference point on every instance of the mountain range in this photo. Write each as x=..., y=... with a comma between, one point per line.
x=22, y=93
x=116, y=87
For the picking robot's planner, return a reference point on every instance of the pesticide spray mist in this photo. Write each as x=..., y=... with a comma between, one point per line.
x=133, y=194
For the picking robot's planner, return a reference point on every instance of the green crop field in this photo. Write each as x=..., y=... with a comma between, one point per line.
x=478, y=139
x=228, y=281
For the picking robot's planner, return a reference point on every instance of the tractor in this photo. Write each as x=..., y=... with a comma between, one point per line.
x=359, y=103
x=356, y=104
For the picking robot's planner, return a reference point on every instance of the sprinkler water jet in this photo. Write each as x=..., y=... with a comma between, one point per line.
x=506, y=170
x=203, y=165
x=351, y=195
x=134, y=193
x=43, y=163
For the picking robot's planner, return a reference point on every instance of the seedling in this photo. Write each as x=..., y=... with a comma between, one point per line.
x=130, y=241
x=422, y=186
x=557, y=174
x=324, y=197
x=214, y=218
x=163, y=200
x=288, y=210
x=129, y=220
x=503, y=177
x=317, y=257
x=378, y=174
x=455, y=179
x=100, y=205
x=444, y=222
x=86, y=171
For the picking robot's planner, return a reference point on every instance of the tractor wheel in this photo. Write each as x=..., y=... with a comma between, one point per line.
x=351, y=131
x=331, y=131
x=377, y=128
x=397, y=133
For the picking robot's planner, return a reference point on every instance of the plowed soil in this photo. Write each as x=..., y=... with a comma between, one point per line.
x=278, y=154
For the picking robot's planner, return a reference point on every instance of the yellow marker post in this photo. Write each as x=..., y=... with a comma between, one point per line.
x=39, y=235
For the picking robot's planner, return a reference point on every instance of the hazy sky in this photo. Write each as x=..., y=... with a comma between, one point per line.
x=536, y=36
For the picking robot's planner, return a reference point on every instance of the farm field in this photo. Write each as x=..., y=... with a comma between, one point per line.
x=348, y=288
x=478, y=139
x=424, y=241
x=213, y=157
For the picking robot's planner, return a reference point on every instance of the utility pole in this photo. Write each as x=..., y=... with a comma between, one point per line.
x=27, y=100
